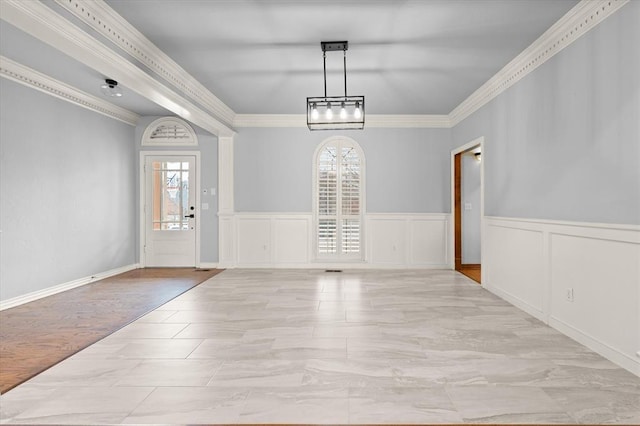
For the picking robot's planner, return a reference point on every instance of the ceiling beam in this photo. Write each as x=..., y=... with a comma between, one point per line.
x=42, y=22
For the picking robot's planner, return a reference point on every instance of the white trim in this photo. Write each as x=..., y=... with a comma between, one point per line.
x=47, y=25
x=478, y=142
x=29, y=77
x=627, y=362
x=209, y=265
x=35, y=295
x=544, y=278
x=372, y=120
x=42, y=22
x=148, y=141
x=142, y=188
x=102, y=18
x=574, y=24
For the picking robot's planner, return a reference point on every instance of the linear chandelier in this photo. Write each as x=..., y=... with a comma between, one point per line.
x=335, y=112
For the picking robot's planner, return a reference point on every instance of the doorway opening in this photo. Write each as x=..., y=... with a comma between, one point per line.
x=468, y=208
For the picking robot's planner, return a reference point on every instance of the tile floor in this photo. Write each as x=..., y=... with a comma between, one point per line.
x=265, y=346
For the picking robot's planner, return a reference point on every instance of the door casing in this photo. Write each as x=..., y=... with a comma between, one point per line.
x=479, y=142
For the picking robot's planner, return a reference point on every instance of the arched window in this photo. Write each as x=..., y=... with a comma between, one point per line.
x=169, y=131
x=339, y=199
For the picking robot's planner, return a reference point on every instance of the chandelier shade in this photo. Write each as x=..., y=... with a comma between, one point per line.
x=335, y=112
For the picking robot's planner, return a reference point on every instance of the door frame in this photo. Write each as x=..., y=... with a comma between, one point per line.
x=478, y=142
x=142, y=188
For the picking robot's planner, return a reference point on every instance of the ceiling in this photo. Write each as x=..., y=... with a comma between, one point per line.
x=264, y=57
x=406, y=57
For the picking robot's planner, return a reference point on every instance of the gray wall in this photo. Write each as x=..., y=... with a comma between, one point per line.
x=564, y=142
x=407, y=170
x=470, y=218
x=67, y=179
x=208, y=148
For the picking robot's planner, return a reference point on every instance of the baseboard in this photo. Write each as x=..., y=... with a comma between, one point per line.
x=517, y=302
x=595, y=345
x=342, y=265
x=30, y=297
x=209, y=265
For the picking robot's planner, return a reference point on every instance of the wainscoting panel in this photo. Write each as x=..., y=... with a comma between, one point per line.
x=514, y=266
x=254, y=240
x=285, y=240
x=387, y=240
x=582, y=279
x=291, y=240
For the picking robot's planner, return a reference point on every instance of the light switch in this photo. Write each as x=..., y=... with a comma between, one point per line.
x=213, y=191
x=205, y=206
x=467, y=206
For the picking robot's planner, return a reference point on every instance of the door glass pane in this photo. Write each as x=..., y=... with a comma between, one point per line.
x=170, y=202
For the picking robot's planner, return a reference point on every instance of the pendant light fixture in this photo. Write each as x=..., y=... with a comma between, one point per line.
x=335, y=112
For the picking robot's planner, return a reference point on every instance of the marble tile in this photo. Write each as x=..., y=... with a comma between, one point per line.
x=597, y=406
x=259, y=373
x=85, y=405
x=305, y=346
x=401, y=405
x=216, y=330
x=234, y=349
x=171, y=372
x=86, y=372
x=189, y=405
x=348, y=373
x=143, y=330
x=154, y=348
x=295, y=405
x=156, y=316
x=502, y=404
x=23, y=397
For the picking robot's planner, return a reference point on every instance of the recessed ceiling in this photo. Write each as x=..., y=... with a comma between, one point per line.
x=406, y=57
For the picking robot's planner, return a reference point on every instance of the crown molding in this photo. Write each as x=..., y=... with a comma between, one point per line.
x=372, y=120
x=29, y=77
x=106, y=21
x=578, y=21
x=42, y=22
x=45, y=24
x=432, y=121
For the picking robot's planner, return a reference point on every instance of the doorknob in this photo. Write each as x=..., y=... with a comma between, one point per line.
x=191, y=215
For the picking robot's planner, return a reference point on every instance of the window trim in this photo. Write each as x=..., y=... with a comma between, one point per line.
x=363, y=203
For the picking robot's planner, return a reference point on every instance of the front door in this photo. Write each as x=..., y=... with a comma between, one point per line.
x=170, y=211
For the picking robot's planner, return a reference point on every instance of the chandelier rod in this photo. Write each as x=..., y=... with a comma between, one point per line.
x=345, y=72
x=324, y=61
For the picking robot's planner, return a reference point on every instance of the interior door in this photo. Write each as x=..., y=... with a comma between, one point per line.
x=170, y=211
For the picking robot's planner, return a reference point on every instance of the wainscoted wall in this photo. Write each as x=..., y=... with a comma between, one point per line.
x=582, y=279
x=285, y=240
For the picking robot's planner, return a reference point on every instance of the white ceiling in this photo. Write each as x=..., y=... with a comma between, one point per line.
x=406, y=57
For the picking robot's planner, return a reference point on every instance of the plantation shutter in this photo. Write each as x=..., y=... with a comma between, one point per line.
x=339, y=201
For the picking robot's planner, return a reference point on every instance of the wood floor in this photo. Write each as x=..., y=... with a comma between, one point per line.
x=472, y=271
x=38, y=335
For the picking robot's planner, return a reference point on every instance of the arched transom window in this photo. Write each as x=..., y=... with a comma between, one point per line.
x=338, y=199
